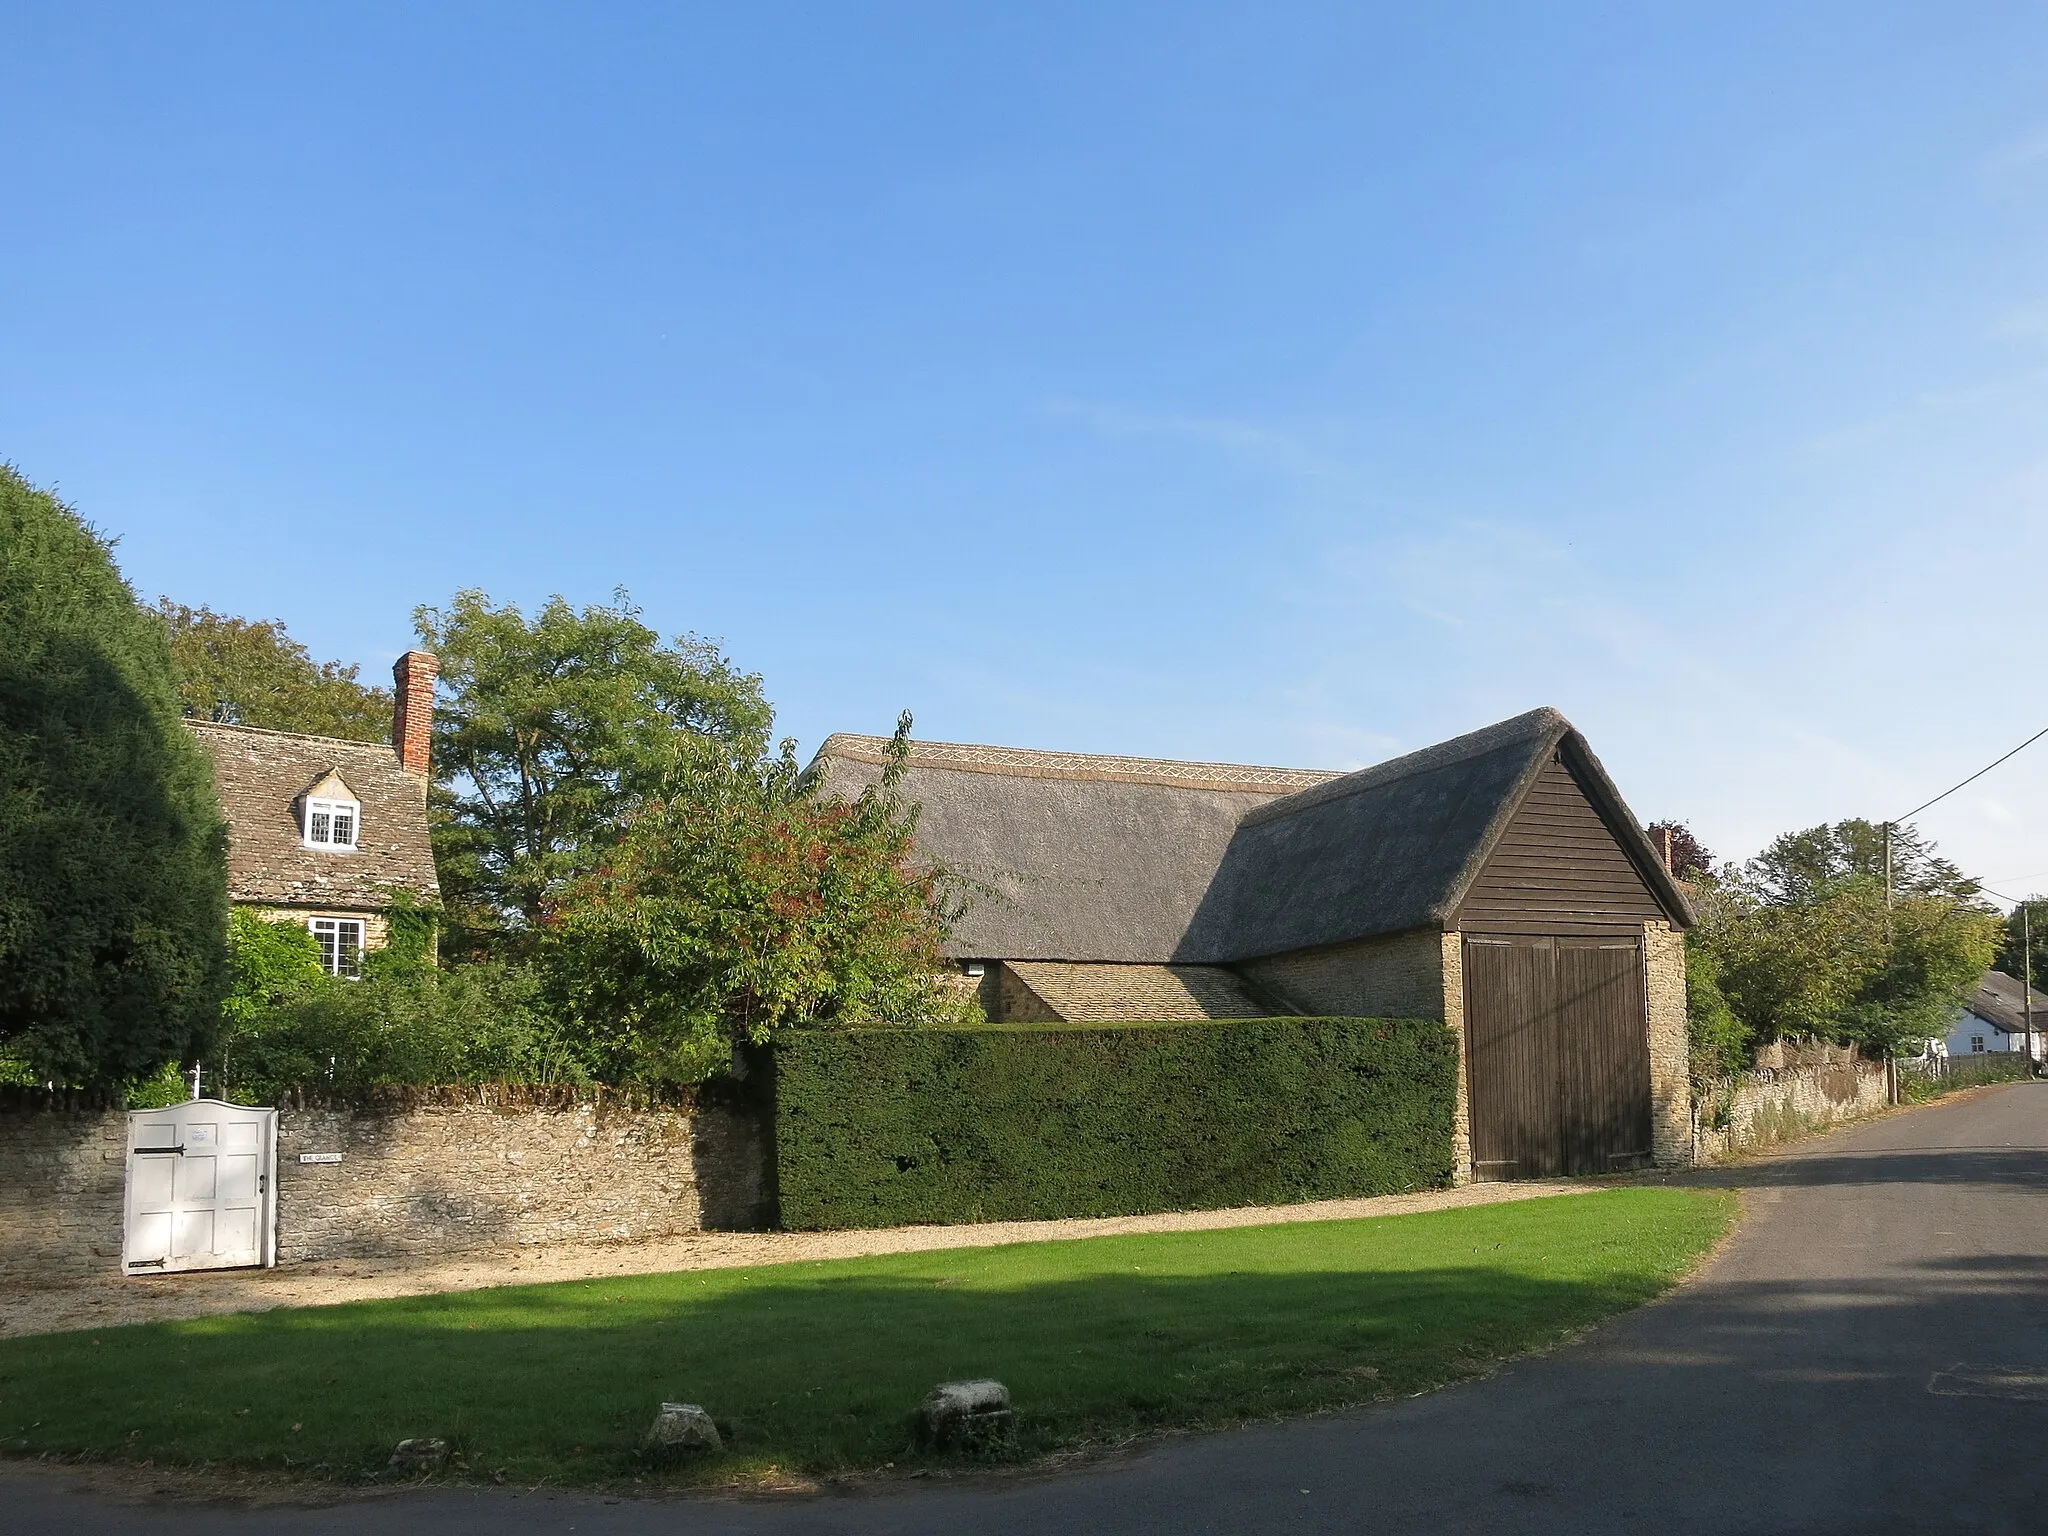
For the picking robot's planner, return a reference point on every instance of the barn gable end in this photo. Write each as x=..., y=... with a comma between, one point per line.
x=1558, y=868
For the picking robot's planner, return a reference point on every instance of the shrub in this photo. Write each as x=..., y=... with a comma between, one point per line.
x=745, y=901
x=288, y=1025
x=879, y=1127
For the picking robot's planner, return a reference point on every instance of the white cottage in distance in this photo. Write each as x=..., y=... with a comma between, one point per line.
x=1994, y=1019
x=326, y=832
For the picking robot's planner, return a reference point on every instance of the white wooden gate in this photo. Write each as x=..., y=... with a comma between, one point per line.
x=202, y=1188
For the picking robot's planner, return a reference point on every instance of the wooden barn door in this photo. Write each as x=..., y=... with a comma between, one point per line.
x=1559, y=1069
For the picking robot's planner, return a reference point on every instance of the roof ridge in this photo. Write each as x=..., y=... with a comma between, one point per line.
x=1526, y=726
x=192, y=722
x=1032, y=763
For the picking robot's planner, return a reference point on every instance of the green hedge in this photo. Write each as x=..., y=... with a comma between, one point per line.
x=883, y=1127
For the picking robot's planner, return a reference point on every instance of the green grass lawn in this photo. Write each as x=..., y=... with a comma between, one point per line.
x=818, y=1367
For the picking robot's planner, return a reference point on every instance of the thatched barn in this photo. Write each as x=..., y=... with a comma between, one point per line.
x=1496, y=882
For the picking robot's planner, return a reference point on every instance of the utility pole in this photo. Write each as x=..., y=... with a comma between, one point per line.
x=1887, y=864
x=2027, y=974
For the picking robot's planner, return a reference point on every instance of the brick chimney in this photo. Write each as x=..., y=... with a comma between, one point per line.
x=412, y=713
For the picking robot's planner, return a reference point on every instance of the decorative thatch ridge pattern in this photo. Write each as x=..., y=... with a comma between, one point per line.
x=1023, y=762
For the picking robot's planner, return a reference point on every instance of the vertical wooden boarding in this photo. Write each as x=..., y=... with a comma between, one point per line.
x=1603, y=1055
x=1512, y=1076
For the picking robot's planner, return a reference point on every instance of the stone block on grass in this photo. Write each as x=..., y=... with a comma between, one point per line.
x=420, y=1454
x=967, y=1416
x=681, y=1430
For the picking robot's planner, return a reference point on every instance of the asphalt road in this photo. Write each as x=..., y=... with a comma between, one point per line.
x=1870, y=1354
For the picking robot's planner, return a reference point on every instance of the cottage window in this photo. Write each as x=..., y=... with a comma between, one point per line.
x=332, y=823
x=1976, y=1043
x=341, y=944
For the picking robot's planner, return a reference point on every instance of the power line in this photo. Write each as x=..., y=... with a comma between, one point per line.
x=1973, y=778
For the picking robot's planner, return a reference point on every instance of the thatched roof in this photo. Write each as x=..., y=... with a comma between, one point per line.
x=1132, y=859
x=261, y=777
x=1070, y=857
x=2001, y=999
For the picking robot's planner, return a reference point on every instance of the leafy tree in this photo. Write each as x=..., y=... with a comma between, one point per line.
x=1798, y=866
x=2012, y=951
x=551, y=730
x=1804, y=944
x=743, y=901
x=1719, y=1042
x=1690, y=859
x=113, y=884
x=250, y=672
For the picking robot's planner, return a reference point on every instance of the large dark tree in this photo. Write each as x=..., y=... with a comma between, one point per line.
x=113, y=889
x=250, y=672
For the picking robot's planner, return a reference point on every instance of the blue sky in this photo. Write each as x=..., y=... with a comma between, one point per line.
x=1276, y=383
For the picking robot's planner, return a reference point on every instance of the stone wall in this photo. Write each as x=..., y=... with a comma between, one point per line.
x=470, y=1173
x=1795, y=1091
x=445, y=1178
x=62, y=1171
x=1670, y=1064
x=1008, y=999
x=1400, y=976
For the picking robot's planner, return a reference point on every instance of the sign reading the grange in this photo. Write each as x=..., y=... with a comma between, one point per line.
x=319, y=1157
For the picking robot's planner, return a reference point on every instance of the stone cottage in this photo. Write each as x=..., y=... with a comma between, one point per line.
x=331, y=833
x=1497, y=882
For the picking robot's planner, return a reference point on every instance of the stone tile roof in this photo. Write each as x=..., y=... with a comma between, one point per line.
x=1139, y=861
x=1105, y=993
x=260, y=776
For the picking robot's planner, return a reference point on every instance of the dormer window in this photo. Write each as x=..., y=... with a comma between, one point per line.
x=330, y=816
x=332, y=823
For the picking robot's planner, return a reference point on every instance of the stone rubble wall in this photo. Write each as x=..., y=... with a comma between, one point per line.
x=1671, y=1142
x=464, y=1175
x=1795, y=1091
x=61, y=1176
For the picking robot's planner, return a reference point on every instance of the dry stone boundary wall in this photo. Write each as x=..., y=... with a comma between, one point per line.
x=464, y=1175
x=1794, y=1092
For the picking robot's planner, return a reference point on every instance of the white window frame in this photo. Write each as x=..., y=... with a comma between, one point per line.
x=329, y=809
x=328, y=933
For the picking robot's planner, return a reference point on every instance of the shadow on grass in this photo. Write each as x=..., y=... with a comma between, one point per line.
x=812, y=1370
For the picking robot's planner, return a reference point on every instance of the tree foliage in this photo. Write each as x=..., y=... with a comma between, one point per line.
x=1804, y=866
x=113, y=886
x=1719, y=1042
x=2013, y=954
x=551, y=730
x=1802, y=943
x=743, y=900
x=1691, y=861
x=251, y=672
